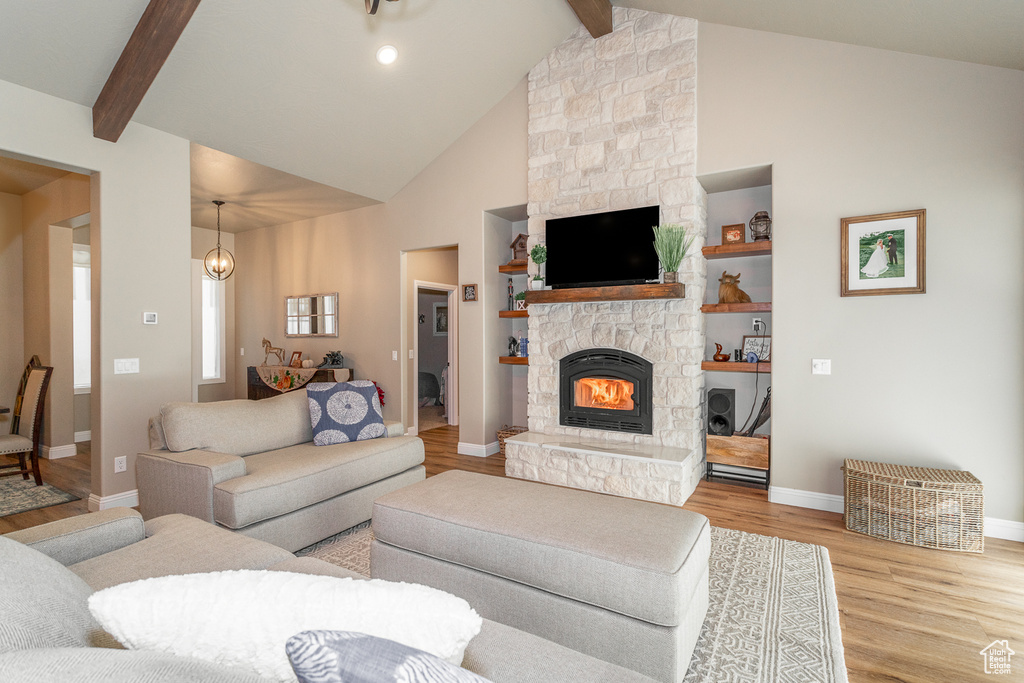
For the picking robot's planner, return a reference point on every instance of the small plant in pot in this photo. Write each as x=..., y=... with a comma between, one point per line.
x=539, y=254
x=520, y=299
x=671, y=245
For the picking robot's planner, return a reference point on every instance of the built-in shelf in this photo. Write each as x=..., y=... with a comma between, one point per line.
x=758, y=307
x=731, y=366
x=513, y=360
x=510, y=269
x=762, y=248
x=513, y=314
x=674, y=290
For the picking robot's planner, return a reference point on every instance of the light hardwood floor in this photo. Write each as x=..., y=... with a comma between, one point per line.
x=908, y=614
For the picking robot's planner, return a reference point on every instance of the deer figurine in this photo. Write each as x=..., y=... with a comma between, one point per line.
x=729, y=291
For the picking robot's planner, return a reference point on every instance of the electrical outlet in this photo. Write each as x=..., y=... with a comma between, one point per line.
x=757, y=321
x=410, y=354
x=121, y=464
x=821, y=366
x=394, y=355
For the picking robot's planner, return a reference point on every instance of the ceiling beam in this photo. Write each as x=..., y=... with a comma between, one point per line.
x=596, y=15
x=140, y=61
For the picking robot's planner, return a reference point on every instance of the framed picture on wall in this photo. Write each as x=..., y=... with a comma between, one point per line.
x=440, y=319
x=762, y=346
x=469, y=292
x=882, y=254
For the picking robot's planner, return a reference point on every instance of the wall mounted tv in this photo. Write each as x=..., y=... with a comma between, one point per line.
x=602, y=249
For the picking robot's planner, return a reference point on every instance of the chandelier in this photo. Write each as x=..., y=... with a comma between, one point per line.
x=219, y=263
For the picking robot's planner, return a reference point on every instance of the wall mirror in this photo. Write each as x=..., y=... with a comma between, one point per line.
x=311, y=315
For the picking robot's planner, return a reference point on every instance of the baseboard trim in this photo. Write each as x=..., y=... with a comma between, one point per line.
x=478, y=450
x=994, y=528
x=128, y=499
x=57, y=452
x=1004, y=529
x=805, y=499
x=83, y=436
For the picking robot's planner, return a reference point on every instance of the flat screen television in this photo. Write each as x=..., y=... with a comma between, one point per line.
x=602, y=249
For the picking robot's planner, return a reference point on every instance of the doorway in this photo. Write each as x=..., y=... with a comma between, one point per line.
x=434, y=348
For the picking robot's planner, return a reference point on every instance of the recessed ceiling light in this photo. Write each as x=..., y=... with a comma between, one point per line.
x=387, y=54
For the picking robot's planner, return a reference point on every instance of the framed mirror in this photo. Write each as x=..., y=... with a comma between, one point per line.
x=311, y=315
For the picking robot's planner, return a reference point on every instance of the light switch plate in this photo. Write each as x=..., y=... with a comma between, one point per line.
x=126, y=366
x=821, y=366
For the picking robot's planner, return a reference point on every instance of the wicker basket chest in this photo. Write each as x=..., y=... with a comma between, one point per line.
x=921, y=506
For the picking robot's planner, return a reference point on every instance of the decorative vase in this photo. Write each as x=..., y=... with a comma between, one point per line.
x=669, y=277
x=536, y=284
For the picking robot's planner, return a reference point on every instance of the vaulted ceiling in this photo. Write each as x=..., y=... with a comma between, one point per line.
x=294, y=85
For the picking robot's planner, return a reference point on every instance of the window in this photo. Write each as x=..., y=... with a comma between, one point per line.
x=213, y=344
x=81, y=311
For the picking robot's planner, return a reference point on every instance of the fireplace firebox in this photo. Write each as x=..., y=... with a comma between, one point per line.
x=606, y=389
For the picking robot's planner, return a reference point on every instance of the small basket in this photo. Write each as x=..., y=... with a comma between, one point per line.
x=504, y=433
x=922, y=506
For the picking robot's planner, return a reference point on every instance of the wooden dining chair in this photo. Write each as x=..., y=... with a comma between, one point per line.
x=24, y=441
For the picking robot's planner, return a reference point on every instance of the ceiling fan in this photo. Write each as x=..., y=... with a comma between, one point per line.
x=371, y=5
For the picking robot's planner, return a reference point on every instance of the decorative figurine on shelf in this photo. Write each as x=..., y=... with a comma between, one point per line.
x=333, y=359
x=761, y=226
x=719, y=356
x=269, y=350
x=511, y=296
x=513, y=346
x=518, y=248
x=751, y=357
x=729, y=291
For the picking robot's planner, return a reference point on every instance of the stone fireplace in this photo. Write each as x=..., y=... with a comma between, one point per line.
x=612, y=126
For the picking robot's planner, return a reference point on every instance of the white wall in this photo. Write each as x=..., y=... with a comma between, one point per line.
x=932, y=379
x=359, y=255
x=140, y=249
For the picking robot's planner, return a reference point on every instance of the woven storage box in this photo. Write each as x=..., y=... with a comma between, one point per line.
x=921, y=506
x=504, y=433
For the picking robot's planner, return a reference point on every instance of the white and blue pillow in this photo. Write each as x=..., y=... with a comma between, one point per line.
x=348, y=657
x=341, y=412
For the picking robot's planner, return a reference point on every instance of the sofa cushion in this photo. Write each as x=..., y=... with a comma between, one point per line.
x=345, y=411
x=179, y=544
x=244, y=618
x=238, y=427
x=96, y=665
x=321, y=656
x=292, y=478
x=42, y=602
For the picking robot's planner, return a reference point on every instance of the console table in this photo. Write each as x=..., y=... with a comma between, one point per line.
x=257, y=388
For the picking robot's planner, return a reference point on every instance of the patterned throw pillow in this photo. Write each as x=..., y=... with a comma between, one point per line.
x=347, y=657
x=345, y=411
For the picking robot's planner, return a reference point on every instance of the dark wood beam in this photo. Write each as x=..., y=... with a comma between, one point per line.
x=596, y=15
x=140, y=61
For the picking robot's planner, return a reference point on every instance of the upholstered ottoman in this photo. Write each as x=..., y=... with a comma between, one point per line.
x=622, y=580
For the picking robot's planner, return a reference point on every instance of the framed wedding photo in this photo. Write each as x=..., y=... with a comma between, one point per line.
x=882, y=254
x=762, y=346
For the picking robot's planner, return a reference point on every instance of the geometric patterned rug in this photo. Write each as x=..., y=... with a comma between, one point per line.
x=18, y=495
x=773, y=616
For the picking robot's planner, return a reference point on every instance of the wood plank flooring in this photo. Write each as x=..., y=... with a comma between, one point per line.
x=908, y=614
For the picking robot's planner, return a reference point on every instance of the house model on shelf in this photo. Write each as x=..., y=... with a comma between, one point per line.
x=519, y=252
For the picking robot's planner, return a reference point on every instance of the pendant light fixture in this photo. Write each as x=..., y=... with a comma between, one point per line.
x=219, y=263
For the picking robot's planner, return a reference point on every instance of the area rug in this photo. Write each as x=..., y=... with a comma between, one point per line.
x=773, y=616
x=20, y=495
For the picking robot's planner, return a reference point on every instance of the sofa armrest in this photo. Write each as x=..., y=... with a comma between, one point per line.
x=182, y=482
x=394, y=428
x=80, y=538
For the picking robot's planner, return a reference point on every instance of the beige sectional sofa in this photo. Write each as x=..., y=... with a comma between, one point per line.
x=47, y=633
x=251, y=466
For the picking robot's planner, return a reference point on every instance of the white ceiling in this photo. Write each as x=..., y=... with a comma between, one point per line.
x=294, y=86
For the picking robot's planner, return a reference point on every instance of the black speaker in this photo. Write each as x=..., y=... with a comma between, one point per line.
x=721, y=411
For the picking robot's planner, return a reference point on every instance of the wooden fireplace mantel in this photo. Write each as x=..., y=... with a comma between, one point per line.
x=674, y=290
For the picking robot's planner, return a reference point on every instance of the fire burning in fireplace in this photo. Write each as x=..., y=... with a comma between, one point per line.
x=599, y=392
